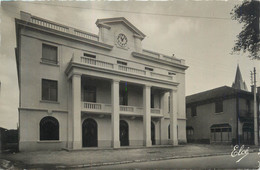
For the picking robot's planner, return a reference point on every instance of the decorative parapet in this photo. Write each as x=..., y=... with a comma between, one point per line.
x=56, y=26
x=161, y=58
x=121, y=68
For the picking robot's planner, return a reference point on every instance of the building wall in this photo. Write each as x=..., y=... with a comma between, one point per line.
x=30, y=130
x=33, y=109
x=206, y=117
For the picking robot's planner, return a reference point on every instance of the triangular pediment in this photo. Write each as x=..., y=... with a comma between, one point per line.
x=108, y=21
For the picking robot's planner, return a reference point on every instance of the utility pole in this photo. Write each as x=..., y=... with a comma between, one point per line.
x=253, y=77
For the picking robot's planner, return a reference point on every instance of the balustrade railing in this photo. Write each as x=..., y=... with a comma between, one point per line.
x=155, y=111
x=63, y=28
x=49, y=24
x=100, y=107
x=131, y=70
x=96, y=62
x=96, y=106
x=127, y=108
x=86, y=35
x=103, y=64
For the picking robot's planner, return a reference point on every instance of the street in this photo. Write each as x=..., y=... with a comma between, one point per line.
x=224, y=161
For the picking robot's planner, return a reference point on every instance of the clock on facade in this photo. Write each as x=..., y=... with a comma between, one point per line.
x=121, y=40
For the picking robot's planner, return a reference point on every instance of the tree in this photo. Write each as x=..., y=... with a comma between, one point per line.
x=248, y=39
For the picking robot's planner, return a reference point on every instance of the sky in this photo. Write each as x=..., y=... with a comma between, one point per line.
x=200, y=32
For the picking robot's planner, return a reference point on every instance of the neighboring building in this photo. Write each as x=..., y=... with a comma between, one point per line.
x=2, y=139
x=79, y=89
x=221, y=115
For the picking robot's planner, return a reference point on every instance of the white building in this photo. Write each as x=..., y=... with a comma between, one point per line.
x=79, y=89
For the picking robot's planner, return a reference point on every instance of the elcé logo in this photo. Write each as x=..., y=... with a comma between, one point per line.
x=239, y=151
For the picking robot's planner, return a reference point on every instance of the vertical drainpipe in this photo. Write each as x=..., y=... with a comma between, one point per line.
x=237, y=118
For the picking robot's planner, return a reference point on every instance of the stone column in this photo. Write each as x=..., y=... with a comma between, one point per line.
x=147, y=115
x=173, y=118
x=115, y=118
x=76, y=111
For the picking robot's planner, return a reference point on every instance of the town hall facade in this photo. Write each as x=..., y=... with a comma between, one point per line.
x=80, y=90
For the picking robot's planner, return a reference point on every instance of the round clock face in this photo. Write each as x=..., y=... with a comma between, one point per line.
x=121, y=40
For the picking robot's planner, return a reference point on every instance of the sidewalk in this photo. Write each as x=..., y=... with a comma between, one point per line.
x=98, y=157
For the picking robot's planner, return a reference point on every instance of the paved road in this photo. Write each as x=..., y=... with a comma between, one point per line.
x=224, y=161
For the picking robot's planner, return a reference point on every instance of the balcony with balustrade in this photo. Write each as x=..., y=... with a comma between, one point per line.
x=96, y=98
x=116, y=69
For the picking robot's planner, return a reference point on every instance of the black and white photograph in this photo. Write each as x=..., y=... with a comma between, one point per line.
x=129, y=84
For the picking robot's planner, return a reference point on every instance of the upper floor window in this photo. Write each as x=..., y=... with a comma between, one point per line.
x=218, y=106
x=152, y=100
x=171, y=73
x=148, y=69
x=123, y=99
x=89, y=55
x=49, y=90
x=121, y=63
x=169, y=104
x=193, y=111
x=89, y=94
x=49, y=54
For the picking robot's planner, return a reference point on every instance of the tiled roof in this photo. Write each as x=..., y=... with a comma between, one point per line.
x=220, y=92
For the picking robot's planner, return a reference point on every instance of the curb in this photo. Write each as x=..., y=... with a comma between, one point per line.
x=136, y=161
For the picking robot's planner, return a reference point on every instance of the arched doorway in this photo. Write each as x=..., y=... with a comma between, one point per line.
x=124, y=136
x=89, y=133
x=248, y=133
x=153, y=133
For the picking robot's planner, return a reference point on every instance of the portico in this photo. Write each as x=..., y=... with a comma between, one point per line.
x=113, y=109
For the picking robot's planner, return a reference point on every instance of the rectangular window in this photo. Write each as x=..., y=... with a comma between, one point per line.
x=152, y=101
x=121, y=63
x=89, y=94
x=89, y=55
x=193, y=111
x=49, y=54
x=218, y=106
x=148, y=69
x=123, y=97
x=169, y=104
x=49, y=90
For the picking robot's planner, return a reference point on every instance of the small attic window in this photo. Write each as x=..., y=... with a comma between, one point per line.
x=171, y=73
x=89, y=55
x=148, y=69
x=121, y=63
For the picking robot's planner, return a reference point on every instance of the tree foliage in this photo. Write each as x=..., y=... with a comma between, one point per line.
x=248, y=39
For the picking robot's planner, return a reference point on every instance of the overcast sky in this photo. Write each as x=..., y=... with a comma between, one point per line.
x=201, y=32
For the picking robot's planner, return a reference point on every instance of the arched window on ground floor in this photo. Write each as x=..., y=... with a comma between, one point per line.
x=49, y=128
